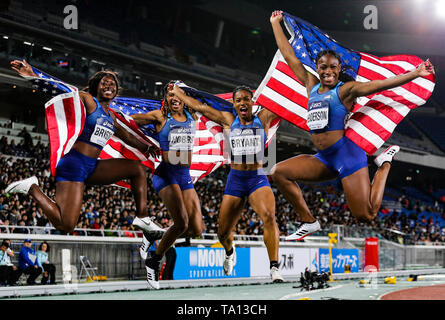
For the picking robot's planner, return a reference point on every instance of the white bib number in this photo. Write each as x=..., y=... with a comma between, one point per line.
x=246, y=145
x=318, y=115
x=181, y=141
x=101, y=135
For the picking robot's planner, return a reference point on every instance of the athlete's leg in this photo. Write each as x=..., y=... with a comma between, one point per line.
x=262, y=202
x=229, y=214
x=193, y=207
x=364, y=198
x=300, y=168
x=115, y=170
x=64, y=212
x=173, y=200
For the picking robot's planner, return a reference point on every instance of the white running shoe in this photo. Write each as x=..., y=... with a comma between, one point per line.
x=275, y=275
x=386, y=156
x=151, y=232
x=143, y=248
x=22, y=186
x=303, y=230
x=228, y=262
x=147, y=224
x=152, y=268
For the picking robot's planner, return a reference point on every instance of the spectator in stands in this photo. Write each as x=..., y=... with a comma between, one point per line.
x=8, y=271
x=28, y=262
x=27, y=139
x=48, y=269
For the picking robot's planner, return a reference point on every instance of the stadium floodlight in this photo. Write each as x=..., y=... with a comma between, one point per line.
x=47, y=49
x=27, y=43
x=440, y=8
x=158, y=83
x=5, y=37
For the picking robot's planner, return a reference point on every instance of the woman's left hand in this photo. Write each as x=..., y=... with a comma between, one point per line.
x=425, y=68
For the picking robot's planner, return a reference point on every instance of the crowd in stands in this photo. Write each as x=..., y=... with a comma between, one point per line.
x=112, y=208
x=28, y=262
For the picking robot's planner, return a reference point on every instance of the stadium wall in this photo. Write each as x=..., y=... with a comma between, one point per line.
x=118, y=258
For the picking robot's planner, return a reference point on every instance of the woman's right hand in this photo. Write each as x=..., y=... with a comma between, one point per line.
x=23, y=68
x=175, y=89
x=277, y=16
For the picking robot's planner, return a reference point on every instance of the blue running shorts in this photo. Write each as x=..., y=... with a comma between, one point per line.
x=167, y=174
x=242, y=183
x=343, y=157
x=74, y=166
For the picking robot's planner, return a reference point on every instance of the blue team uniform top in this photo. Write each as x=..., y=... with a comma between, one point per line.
x=247, y=142
x=326, y=112
x=98, y=127
x=176, y=135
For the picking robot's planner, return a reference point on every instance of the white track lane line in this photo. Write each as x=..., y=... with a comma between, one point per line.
x=294, y=295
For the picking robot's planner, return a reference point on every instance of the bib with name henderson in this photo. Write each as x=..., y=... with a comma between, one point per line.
x=247, y=140
x=326, y=112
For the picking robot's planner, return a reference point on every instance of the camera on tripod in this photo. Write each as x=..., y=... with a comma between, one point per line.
x=313, y=280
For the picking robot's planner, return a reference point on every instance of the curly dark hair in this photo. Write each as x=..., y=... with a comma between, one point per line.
x=165, y=108
x=93, y=82
x=47, y=246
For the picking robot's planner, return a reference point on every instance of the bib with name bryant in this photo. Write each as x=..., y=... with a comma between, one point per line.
x=247, y=142
x=98, y=127
x=326, y=112
x=176, y=135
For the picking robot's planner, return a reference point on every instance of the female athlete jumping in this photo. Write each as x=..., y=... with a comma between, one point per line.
x=337, y=155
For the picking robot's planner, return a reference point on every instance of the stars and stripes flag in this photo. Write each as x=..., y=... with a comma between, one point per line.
x=65, y=116
x=374, y=117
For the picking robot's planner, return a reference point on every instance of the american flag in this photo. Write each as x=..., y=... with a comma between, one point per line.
x=374, y=117
x=65, y=116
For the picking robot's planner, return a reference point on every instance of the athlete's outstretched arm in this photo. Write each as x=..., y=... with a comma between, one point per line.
x=221, y=117
x=151, y=117
x=23, y=68
x=129, y=139
x=356, y=89
x=308, y=79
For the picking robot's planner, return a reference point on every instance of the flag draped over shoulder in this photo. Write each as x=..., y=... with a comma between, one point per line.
x=374, y=117
x=65, y=116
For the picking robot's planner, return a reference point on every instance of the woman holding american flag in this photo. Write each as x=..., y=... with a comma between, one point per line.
x=175, y=127
x=80, y=164
x=331, y=99
x=246, y=136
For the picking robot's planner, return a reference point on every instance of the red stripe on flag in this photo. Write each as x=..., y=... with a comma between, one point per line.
x=53, y=134
x=282, y=112
x=371, y=124
x=283, y=67
x=287, y=92
x=359, y=140
x=374, y=75
x=70, y=116
x=388, y=111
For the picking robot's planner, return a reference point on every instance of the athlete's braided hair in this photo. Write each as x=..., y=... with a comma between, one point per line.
x=165, y=108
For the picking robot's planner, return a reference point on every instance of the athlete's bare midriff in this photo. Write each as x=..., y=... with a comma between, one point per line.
x=245, y=166
x=326, y=139
x=87, y=149
x=179, y=158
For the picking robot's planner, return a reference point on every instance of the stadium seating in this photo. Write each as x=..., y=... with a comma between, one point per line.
x=432, y=126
